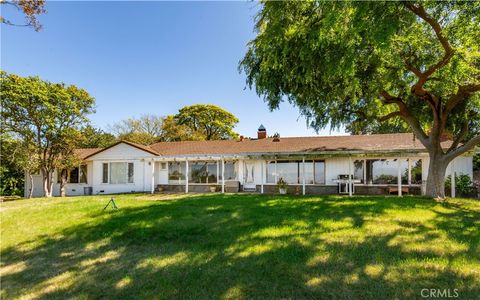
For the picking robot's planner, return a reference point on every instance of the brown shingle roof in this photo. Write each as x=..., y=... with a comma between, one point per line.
x=86, y=152
x=367, y=143
x=360, y=143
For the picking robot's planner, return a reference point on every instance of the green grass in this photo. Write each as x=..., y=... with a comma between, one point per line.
x=239, y=246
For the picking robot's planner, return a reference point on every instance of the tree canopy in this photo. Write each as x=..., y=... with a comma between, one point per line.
x=207, y=120
x=46, y=115
x=348, y=63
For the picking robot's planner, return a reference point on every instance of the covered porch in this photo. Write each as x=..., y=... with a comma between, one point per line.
x=357, y=173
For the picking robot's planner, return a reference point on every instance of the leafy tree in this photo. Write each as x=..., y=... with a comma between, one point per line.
x=46, y=115
x=31, y=9
x=210, y=121
x=95, y=138
x=172, y=131
x=341, y=62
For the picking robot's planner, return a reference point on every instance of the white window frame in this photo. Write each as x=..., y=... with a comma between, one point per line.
x=109, y=168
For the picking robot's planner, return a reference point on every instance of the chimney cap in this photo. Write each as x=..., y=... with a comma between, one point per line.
x=262, y=128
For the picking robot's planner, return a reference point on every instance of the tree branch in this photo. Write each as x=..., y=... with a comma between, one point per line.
x=389, y=116
x=405, y=113
x=461, y=135
x=463, y=148
x=464, y=91
x=420, y=12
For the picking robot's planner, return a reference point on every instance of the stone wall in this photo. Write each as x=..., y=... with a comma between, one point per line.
x=292, y=189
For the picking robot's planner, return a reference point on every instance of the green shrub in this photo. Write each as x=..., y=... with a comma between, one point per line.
x=463, y=184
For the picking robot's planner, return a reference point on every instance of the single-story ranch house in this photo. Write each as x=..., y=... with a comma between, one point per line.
x=378, y=164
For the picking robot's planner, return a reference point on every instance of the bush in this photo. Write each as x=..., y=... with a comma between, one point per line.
x=463, y=184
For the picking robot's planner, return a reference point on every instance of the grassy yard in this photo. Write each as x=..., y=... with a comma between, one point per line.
x=239, y=246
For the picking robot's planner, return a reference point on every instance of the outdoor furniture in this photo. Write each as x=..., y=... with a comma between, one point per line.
x=249, y=187
x=394, y=189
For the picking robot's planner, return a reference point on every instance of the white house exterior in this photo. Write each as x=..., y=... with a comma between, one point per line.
x=377, y=164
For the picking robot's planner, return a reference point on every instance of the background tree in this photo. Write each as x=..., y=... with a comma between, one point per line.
x=30, y=8
x=341, y=62
x=172, y=131
x=145, y=130
x=210, y=121
x=95, y=138
x=44, y=113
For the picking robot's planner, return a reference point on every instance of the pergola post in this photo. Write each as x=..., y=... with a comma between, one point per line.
x=409, y=171
x=452, y=179
x=350, y=187
x=223, y=175
x=261, y=176
x=186, y=175
x=152, y=188
x=303, y=176
x=399, y=177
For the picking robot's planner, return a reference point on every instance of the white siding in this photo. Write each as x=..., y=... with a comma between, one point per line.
x=335, y=167
x=462, y=164
x=121, y=152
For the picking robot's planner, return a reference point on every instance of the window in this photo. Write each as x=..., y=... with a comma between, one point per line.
x=203, y=172
x=105, y=173
x=288, y=170
x=271, y=173
x=229, y=171
x=319, y=172
x=358, y=170
x=130, y=172
x=309, y=172
x=176, y=172
x=77, y=175
x=292, y=172
x=382, y=171
x=163, y=166
x=117, y=173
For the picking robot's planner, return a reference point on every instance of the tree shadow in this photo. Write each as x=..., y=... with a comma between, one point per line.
x=253, y=246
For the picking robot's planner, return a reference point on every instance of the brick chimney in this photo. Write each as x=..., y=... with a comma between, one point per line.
x=262, y=132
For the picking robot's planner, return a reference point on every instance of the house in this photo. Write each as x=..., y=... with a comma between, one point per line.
x=378, y=164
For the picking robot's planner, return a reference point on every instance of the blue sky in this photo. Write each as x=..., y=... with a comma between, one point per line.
x=148, y=57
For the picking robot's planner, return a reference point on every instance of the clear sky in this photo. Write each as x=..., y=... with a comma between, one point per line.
x=148, y=58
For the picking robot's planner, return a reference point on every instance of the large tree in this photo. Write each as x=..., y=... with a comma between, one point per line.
x=47, y=114
x=341, y=62
x=210, y=121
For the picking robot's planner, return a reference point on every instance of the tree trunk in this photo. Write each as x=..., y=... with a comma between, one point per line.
x=47, y=182
x=30, y=192
x=436, y=176
x=63, y=181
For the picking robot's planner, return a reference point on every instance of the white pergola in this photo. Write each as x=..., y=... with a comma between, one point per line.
x=263, y=156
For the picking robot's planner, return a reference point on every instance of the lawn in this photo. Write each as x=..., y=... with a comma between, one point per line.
x=239, y=246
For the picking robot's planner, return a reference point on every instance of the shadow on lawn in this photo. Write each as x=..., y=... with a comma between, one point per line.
x=253, y=247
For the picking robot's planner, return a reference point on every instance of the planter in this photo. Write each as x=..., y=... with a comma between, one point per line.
x=213, y=189
x=282, y=191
